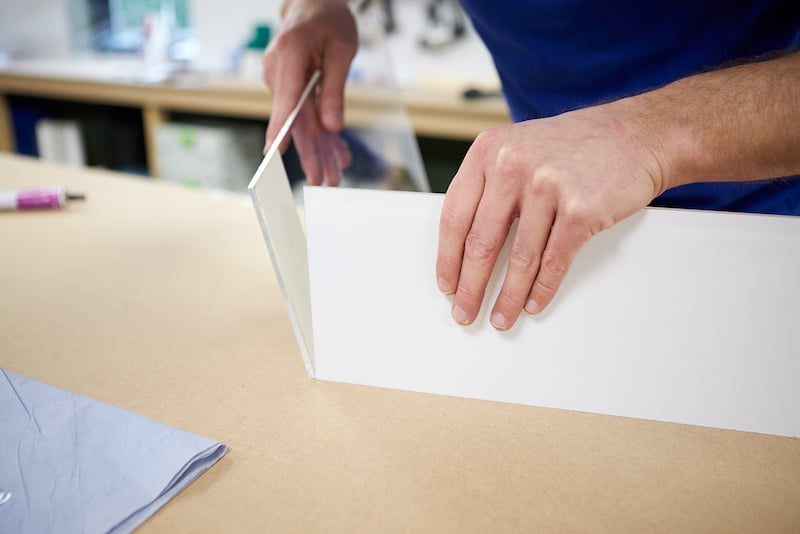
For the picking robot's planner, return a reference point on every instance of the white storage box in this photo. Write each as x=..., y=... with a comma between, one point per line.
x=218, y=157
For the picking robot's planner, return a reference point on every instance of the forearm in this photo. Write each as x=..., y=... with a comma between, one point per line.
x=734, y=124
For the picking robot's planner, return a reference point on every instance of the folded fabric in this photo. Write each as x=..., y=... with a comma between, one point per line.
x=72, y=464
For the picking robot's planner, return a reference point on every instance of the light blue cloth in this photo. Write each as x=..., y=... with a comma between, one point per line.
x=72, y=464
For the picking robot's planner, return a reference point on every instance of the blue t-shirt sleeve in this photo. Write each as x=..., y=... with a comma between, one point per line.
x=554, y=56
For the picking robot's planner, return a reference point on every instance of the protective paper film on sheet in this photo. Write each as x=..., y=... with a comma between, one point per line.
x=671, y=315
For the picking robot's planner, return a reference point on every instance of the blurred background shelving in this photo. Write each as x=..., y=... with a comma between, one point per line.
x=63, y=63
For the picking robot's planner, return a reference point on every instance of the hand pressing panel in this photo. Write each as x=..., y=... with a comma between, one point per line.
x=566, y=178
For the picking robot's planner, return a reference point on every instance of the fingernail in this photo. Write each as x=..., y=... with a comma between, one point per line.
x=459, y=315
x=498, y=320
x=266, y=146
x=444, y=287
x=333, y=118
x=531, y=306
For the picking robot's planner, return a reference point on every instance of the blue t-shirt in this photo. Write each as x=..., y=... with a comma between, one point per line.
x=553, y=56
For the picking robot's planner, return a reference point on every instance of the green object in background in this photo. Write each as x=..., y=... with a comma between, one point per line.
x=187, y=137
x=262, y=33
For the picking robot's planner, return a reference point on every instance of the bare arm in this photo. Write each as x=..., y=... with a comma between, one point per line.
x=571, y=176
x=736, y=124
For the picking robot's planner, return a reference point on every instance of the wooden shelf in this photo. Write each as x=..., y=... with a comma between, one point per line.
x=430, y=113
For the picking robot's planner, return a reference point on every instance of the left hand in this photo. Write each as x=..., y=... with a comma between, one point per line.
x=566, y=178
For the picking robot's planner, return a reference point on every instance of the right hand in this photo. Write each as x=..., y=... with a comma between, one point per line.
x=315, y=34
x=565, y=178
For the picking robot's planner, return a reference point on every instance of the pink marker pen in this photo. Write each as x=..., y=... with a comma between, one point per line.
x=40, y=198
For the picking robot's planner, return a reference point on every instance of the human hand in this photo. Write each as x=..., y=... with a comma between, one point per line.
x=566, y=178
x=315, y=34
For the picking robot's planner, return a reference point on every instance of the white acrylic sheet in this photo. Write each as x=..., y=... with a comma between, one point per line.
x=672, y=315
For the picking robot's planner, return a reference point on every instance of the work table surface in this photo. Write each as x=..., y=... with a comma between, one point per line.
x=162, y=301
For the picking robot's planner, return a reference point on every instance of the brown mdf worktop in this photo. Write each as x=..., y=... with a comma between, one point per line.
x=162, y=301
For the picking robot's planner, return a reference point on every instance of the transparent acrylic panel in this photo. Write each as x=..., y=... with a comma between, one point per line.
x=383, y=147
x=384, y=154
x=380, y=125
x=284, y=235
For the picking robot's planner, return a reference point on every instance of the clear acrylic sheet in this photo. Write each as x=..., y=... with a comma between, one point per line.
x=284, y=234
x=385, y=155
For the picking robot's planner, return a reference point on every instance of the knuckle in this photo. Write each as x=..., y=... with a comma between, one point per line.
x=600, y=224
x=478, y=247
x=554, y=268
x=521, y=258
x=603, y=222
x=279, y=47
x=577, y=216
x=485, y=137
x=543, y=289
x=508, y=299
x=342, y=46
x=545, y=181
x=509, y=162
x=586, y=221
x=467, y=293
x=484, y=143
x=268, y=68
x=285, y=40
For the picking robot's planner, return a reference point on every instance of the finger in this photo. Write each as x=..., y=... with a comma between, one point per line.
x=286, y=79
x=481, y=248
x=305, y=134
x=535, y=222
x=458, y=211
x=341, y=151
x=567, y=237
x=335, y=66
x=330, y=169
